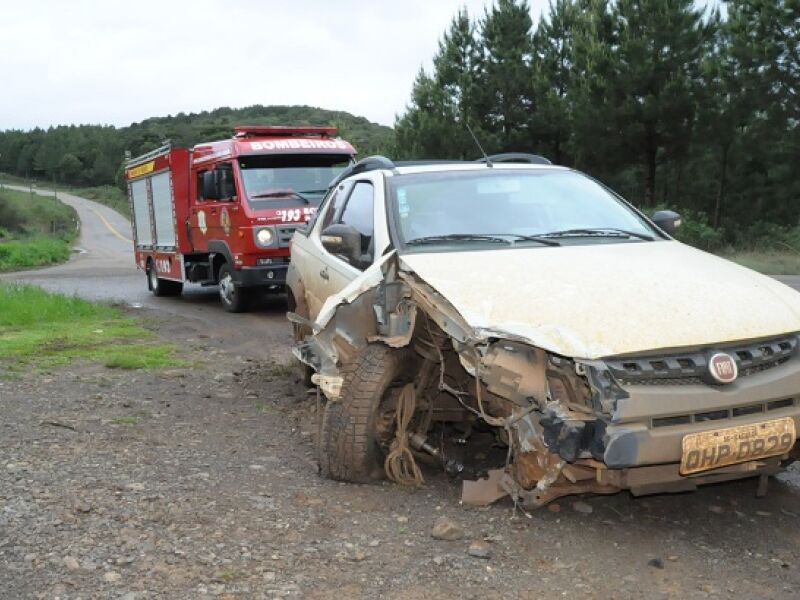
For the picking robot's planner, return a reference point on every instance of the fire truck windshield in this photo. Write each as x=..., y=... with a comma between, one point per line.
x=303, y=178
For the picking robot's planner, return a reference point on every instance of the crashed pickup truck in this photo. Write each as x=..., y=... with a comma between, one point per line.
x=437, y=303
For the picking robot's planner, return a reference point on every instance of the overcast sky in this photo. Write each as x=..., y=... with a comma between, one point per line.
x=113, y=62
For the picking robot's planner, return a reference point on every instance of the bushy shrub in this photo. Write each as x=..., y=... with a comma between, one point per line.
x=11, y=218
x=696, y=231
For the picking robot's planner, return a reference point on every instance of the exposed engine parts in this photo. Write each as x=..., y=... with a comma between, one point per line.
x=406, y=376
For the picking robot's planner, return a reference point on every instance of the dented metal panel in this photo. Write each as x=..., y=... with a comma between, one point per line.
x=607, y=299
x=518, y=362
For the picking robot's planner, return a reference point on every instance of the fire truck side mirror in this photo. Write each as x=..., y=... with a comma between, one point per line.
x=210, y=186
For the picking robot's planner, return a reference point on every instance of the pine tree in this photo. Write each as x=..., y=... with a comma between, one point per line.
x=654, y=85
x=441, y=104
x=553, y=78
x=506, y=101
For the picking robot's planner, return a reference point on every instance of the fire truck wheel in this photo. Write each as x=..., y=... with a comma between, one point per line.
x=162, y=287
x=234, y=299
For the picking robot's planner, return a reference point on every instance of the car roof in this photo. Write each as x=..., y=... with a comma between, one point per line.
x=467, y=166
x=507, y=161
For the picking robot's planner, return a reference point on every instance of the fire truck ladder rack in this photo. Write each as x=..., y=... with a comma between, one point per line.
x=150, y=155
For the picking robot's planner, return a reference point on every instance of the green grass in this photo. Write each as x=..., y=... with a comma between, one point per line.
x=34, y=230
x=769, y=262
x=127, y=420
x=47, y=330
x=110, y=195
x=32, y=252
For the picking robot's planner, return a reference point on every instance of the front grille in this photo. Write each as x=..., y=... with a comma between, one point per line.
x=285, y=233
x=691, y=368
x=724, y=413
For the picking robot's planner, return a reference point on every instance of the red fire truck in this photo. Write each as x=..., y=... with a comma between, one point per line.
x=223, y=213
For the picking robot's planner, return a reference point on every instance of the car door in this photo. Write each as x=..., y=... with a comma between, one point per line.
x=308, y=254
x=353, y=205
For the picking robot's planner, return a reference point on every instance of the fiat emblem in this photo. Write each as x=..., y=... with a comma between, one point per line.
x=722, y=367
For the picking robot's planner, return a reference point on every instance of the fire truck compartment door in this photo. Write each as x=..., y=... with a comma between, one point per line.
x=141, y=213
x=162, y=210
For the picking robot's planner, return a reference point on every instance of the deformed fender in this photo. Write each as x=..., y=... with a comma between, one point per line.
x=380, y=305
x=297, y=290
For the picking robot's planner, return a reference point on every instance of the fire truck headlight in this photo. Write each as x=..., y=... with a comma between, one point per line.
x=265, y=237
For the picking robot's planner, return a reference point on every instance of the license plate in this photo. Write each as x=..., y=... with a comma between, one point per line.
x=721, y=447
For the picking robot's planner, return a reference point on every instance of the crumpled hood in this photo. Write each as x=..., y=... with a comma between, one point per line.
x=605, y=299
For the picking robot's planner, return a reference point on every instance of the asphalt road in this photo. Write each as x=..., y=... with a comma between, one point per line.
x=103, y=268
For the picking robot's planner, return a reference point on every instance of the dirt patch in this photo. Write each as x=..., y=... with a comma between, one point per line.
x=201, y=481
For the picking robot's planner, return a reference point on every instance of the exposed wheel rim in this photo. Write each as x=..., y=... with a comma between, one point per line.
x=227, y=289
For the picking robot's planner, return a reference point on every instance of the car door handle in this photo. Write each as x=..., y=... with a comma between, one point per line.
x=324, y=274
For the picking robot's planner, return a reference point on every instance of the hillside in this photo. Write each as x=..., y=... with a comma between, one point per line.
x=92, y=154
x=188, y=129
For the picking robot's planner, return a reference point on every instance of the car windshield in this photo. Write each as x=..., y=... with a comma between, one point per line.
x=531, y=207
x=299, y=178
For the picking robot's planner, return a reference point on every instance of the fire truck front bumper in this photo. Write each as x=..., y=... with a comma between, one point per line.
x=267, y=276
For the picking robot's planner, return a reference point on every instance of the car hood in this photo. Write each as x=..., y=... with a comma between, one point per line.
x=606, y=299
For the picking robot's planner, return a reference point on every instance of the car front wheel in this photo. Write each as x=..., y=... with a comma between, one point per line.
x=349, y=447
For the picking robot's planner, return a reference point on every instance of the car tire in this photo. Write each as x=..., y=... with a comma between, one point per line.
x=162, y=287
x=234, y=298
x=347, y=448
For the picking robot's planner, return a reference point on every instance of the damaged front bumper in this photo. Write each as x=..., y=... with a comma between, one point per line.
x=570, y=425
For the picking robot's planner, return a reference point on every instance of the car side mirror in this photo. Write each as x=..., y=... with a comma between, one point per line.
x=667, y=220
x=343, y=240
x=210, y=189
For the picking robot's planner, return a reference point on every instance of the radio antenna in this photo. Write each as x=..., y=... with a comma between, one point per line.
x=478, y=144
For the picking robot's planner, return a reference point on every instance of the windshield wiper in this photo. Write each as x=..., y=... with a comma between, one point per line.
x=282, y=194
x=458, y=237
x=322, y=191
x=598, y=231
x=528, y=238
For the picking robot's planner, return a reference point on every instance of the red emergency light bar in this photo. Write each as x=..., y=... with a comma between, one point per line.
x=282, y=131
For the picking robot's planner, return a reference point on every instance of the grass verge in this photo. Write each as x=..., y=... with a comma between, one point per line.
x=32, y=252
x=767, y=261
x=110, y=195
x=43, y=330
x=34, y=230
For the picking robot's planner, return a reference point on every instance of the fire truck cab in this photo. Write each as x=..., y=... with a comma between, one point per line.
x=223, y=213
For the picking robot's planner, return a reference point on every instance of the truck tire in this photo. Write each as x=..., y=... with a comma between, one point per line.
x=347, y=448
x=162, y=287
x=234, y=298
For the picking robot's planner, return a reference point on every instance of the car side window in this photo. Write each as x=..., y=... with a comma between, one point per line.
x=332, y=206
x=359, y=214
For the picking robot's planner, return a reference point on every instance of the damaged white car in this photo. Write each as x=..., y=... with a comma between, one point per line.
x=519, y=322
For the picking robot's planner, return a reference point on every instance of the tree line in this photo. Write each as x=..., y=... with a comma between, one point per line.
x=668, y=102
x=92, y=155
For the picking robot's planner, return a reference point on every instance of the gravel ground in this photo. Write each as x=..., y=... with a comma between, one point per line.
x=200, y=482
